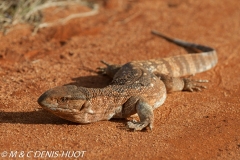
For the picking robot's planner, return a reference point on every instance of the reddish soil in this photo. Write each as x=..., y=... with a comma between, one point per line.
x=199, y=125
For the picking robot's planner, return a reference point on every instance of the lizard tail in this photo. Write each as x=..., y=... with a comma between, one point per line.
x=203, y=59
x=196, y=47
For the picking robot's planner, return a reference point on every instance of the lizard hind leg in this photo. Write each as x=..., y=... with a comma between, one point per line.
x=182, y=83
x=145, y=113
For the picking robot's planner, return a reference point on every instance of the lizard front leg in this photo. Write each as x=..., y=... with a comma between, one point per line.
x=145, y=113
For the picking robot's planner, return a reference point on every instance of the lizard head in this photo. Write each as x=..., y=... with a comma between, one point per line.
x=65, y=101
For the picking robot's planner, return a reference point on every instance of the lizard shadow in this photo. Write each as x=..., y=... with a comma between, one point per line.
x=95, y=81
x=44, y=117
x=33, y=117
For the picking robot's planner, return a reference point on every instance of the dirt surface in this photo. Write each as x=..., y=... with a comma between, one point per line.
x=199, y=125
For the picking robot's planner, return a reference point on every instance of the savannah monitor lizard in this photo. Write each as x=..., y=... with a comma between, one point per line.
x=136, y=87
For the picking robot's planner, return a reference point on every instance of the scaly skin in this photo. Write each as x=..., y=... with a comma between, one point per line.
x=137, y=87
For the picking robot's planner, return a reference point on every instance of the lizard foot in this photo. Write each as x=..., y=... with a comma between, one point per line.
x=191, y=84
x=138, y=126
x=145, y=113
x=103, y=70
x=109, y=70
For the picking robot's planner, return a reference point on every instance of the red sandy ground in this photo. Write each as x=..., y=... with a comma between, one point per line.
x=199, y=125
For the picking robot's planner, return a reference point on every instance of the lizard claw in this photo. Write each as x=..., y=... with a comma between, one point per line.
x=135, y=125
x=191, y=84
